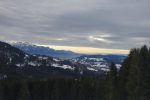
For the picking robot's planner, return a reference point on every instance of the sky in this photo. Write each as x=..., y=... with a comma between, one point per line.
x=87, y=26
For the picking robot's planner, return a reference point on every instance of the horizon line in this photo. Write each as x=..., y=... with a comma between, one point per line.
x=87, y=50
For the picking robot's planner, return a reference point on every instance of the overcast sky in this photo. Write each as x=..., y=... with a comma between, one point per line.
x=110, y=24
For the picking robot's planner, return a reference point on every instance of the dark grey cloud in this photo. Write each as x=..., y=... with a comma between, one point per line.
x=120, y=24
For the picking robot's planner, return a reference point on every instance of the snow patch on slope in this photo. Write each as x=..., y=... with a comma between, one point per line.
x=63, y=66
x=91, y=69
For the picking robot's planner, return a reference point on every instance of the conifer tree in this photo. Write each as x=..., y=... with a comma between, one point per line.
x=111, y=86
x=144, y=73
x=133, y=77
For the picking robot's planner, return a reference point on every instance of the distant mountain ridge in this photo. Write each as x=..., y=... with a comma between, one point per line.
x=41, y=50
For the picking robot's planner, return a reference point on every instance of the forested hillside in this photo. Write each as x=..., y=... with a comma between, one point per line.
x=131, y=82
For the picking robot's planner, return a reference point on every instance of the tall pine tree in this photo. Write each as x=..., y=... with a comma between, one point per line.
x=111, y=83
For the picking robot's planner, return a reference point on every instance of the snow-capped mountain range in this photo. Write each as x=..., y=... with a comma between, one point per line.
x=41, y=50
x=96, y=62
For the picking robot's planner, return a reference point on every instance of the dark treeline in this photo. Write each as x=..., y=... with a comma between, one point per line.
x=131, y=82
x=52, y=89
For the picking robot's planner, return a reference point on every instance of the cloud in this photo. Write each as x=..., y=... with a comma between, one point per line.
x=82, y=23
x=99, y=39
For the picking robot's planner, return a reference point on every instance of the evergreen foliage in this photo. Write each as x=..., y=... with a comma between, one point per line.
x=52, y=89
x=135, y=75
